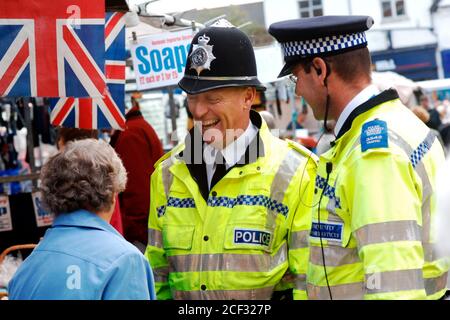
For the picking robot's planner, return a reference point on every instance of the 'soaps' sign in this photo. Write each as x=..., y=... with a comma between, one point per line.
x=159, y=59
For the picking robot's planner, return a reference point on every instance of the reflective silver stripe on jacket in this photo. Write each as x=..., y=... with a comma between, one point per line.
x=300, y=281
x=393, y=281
x=416, y=156
x=434, y=285
x=334, y=256
x=250, y=294
x=167, y=179
x=167, y=176
x=332, y=216
x=227, y=262
x=382, y=282
x=351, y=291
x=284, y=175
x=160, y=274
x=407, y=230
x=280, y=183
x=155, y=238
x=299, y=239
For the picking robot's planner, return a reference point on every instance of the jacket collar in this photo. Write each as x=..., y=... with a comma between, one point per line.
x=383, y=97
x=364, y=95
x=233, y=152
x=192, y=155
x=84, y=219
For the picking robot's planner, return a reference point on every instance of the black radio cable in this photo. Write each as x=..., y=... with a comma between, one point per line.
x=329, y=168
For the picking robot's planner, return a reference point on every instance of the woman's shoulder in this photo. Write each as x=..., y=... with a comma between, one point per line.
x=95, y=246
x=112, y=246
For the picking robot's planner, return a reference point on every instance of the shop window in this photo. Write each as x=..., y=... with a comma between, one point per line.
x=393, y=8
x=310, y=8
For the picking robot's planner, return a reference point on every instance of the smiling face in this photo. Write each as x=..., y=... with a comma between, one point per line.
x=222, y=114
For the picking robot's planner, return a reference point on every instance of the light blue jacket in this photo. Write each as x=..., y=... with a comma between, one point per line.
x=83, y=257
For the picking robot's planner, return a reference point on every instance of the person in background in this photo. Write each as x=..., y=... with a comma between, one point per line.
x=424, y=116
x=372, y=233
x=434, y=121
x=444, y=111
x=66, y=135
x=139, y=148
x=442, y=135
x=82, y=257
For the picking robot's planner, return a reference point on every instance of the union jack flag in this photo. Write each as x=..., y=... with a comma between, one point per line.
x=52, y=48
x=106, y=112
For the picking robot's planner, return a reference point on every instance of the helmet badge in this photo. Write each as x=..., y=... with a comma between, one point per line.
x=202, y=55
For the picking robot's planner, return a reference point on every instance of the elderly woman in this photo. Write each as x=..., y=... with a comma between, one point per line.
x=82, y=256
x=66, y=135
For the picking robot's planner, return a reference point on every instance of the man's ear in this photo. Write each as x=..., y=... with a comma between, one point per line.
x=249, y=97
x=321, y=68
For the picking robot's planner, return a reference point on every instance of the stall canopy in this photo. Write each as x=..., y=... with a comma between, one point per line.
x=404, y=86
x=434, y=85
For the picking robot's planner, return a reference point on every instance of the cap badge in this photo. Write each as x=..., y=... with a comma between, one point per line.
x=202, y=55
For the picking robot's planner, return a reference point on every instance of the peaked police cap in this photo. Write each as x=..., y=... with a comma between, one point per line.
x=220, y=56
x=319, y=37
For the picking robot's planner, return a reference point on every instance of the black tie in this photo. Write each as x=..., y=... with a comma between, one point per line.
x=220, y=169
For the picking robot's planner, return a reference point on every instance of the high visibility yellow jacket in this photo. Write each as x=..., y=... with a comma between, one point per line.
x=239, y=239
x=377, y=208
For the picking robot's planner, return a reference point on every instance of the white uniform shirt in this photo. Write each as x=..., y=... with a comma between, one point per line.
x=231, y=153
x=365, y=95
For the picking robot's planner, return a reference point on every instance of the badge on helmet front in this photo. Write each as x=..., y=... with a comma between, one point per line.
x=202, y=55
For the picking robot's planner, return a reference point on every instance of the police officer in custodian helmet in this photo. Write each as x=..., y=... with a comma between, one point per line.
x=229, y=215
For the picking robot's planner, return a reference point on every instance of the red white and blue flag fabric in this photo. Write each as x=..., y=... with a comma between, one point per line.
x=106, y=112
x=52, y=48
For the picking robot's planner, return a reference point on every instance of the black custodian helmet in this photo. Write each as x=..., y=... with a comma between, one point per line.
x=220, y=56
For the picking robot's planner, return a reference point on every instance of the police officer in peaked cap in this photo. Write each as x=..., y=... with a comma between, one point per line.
x=225, y=202
x=371, y=235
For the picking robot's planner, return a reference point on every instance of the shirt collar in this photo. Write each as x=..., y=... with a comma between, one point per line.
x=83, y=218
x=192, y=153
x=359, y=99
x=233, y=152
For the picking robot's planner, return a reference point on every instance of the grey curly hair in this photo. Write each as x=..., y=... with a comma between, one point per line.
x=83, y=176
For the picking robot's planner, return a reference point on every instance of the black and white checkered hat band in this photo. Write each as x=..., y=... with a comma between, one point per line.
x=323, y=45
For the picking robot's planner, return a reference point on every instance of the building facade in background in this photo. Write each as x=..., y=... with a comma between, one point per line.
x=440, y=11
x=409, y=36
